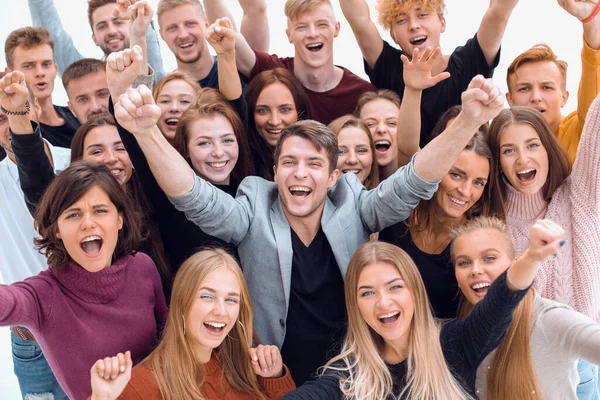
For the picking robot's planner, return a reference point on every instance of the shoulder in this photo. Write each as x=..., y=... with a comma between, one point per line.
x=267, y=61
x=347, y=185
x=61, y=157
x=140, y=261
x=142, y=385
x=349, y=78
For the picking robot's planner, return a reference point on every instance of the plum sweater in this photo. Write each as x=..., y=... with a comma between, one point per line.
x=79, y=317
x=573, y=276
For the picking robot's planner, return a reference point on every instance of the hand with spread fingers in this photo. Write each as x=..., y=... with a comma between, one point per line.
x=136, y=111
x=13, y=92
x=482, y=101
x=417, y=71
x=266, y=361
x=122, y=67
x=110, y=376
x=220, y=36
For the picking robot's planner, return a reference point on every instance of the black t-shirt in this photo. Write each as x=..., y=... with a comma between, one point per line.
x=464, y=63
x=316, y=318
x=436, y=270
x=61, y=136
x=212, y=79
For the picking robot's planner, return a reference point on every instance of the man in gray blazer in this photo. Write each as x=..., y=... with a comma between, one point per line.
x=271, y=221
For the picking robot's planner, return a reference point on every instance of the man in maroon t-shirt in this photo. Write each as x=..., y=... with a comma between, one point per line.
x=333, y=91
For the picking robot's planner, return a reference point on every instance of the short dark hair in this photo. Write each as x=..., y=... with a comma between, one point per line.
x=67, y=188
x=315, y=132
x=81, y=68
x=93, y=5
x=28, y=37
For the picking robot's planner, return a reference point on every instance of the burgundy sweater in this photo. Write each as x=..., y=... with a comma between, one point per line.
x=79, y=317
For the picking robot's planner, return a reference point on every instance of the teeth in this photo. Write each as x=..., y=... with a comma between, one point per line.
x=314, y=45
x=217, y=164
x=351, y=171
x=274, y=131
x=389, y=314
x=384, y=142
x=91, y=238
x=413, y=40
x=115, y=171
x=480, y=285
x=215, y=324
x=299, y=189
x=526, y=171
x=455, y=200
x=185, y=46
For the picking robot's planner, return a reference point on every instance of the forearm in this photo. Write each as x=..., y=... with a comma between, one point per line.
x=491, y=30
x=409, y=125
x=216, y=9
x=255, y=25
x=140, y=40
x=230, y=85
x=521, y=274
x=244, y=55
x=154, y=56
x=591, y=33
x=369, y=40
x=172, y=172
x=435, y=159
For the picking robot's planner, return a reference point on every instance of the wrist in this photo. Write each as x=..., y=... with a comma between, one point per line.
x=19, y=110
x=592, y=15
x=412, y=90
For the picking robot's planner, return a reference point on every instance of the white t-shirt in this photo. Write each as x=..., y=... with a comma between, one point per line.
x=18, y=257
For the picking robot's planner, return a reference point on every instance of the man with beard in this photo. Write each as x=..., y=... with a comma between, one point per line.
x=108, y=32
x=31, y=51
x=86, y=87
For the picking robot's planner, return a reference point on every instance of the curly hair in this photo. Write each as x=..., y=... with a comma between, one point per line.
x=390, y=10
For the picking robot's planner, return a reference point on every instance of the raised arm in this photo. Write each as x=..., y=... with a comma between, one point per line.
x=417, y=77
x=221, y=37
x=492, y=27
x=110, y=376
x=480, y=103
x=369, y=40
x=245, y=58
x=583, y=10
x=255, y=25
x=43, y=13
x=140, y=14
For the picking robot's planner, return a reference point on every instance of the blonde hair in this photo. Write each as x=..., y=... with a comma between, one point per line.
x=294, y=8
x=390, y=10
x=174, y=76
x=174, y=364
x=166, y=5
x=512, y=361
x=368, y=377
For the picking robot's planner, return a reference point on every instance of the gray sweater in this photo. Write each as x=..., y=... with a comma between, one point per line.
x=560, y=336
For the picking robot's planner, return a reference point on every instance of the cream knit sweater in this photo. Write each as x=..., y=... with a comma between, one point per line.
x=573, y=276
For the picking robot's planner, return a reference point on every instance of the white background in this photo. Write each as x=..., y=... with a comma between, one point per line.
x=533, y=21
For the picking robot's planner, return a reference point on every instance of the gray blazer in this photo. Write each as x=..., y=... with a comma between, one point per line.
x=255, y=222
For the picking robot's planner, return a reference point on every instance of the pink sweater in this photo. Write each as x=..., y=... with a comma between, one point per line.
x=573, y=277
x=78, y=316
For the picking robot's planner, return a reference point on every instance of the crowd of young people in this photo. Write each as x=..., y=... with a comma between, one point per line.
x=250, y=226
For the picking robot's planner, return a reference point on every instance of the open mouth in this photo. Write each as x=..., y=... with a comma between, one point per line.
x=456, y=201
x=527, y=175
x=314, y=47
x=186, y=46
x=418, y=40
x=217, y=165
x=389, y=318
x=41, y=85
x=91, y=245
x=299, y=191
x=215, y=327
x=481, y=288
x=172, y=122
x=351, y=171
x=382, y=145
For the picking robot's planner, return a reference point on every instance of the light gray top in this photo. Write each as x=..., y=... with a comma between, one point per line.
x=255, y=222
x=560, y=336
x=44, y=13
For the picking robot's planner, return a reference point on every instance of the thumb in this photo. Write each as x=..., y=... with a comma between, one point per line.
x=137, y=54
x=440, y=77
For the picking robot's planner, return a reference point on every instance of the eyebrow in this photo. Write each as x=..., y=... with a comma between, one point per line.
x=491, y=249
x=94, y=207
x=101, y=145
x=211, y=290
x=527, y=141
x=387, y=283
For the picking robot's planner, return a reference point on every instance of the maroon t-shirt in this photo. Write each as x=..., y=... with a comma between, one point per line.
x=324, y=106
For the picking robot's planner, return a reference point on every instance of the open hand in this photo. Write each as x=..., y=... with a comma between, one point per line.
x=110, y=376
x=13, y=91
x=482, y=101
x=136, y=110
x=266, y=361
x=417, y=71
x=220, y=36
x=122, y=67
x=545, y=239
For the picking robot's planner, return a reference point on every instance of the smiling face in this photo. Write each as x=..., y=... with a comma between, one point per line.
x=37, y=64
x=89, y=230
x=355, y=152
x=312, y=35
x=88, y=96
x=385, y=303
x=418, y=28
x=523, y=159
x=174, y=98
x=275, y=109
x=103, y=145
x=480, y=257
x=381, y=116
x=215, y=310
x=302, y=176
x=539, y=85
x=463, y=186
x=109, y=33
x=182, y=28
x=213, y=149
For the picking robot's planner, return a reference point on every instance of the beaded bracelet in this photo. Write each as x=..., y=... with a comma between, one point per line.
x=25, y=112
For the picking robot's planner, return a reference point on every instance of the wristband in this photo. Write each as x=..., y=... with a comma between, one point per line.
x=25, y=112
x=592, y=15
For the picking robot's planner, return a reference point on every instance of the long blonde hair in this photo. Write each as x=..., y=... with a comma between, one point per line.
x=178, y=372
x=511, y=374
x=367, y=375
